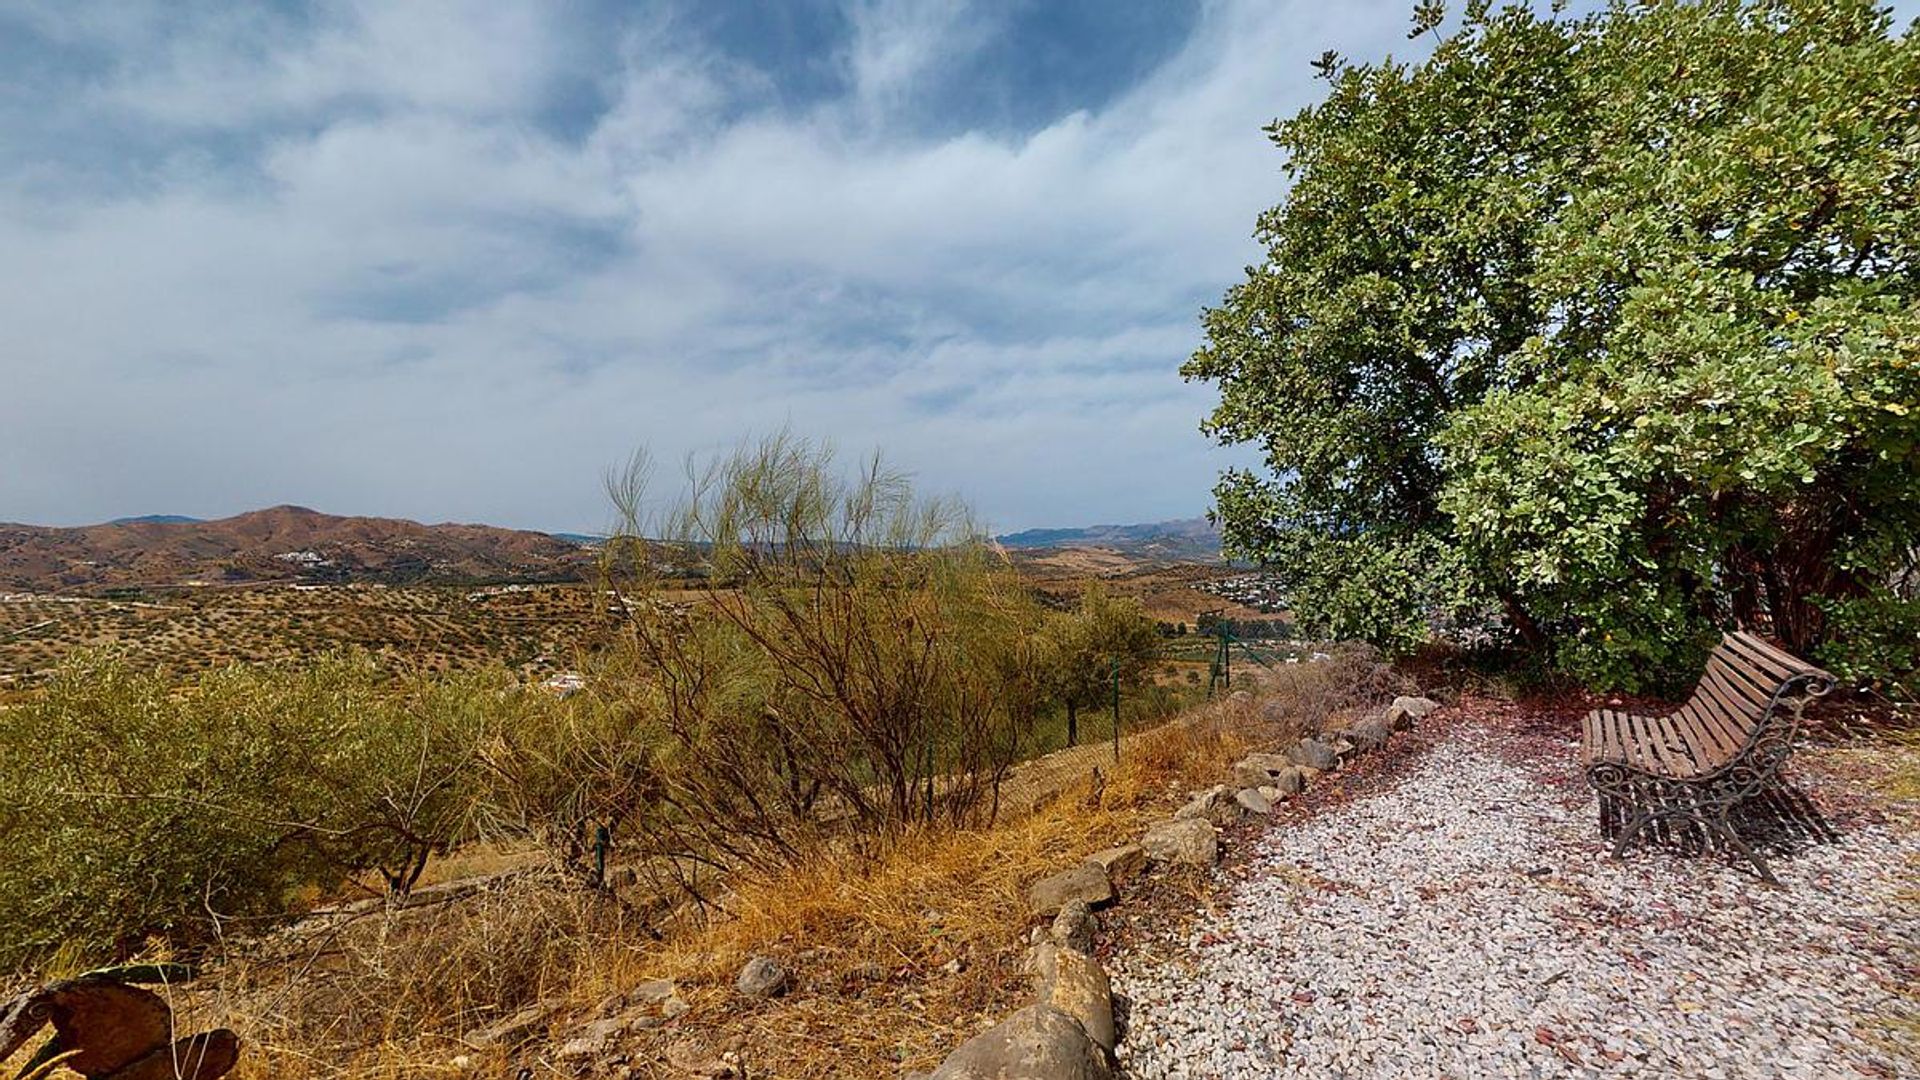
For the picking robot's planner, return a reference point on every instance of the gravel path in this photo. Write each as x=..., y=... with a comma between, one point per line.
x=1465, y=923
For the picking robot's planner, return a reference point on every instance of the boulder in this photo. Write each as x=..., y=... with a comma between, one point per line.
x=1405, y=710
x=1371, y=733
x=1257, y=769
x=1038, y=1042
x=1073, y=927
x=1120, y=863
x=1186, y=841
x=1086, y=882
x=1073, y=983
x=1214, y=804
x=1252, y=801
x=763, y=976
x=1313, y=754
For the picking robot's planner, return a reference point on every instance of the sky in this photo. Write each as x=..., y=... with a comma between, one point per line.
x=452, y=261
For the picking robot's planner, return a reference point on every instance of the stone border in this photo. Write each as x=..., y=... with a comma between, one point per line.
x=1068, y=1032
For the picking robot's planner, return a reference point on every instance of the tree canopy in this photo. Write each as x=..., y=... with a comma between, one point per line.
x=1605, y=323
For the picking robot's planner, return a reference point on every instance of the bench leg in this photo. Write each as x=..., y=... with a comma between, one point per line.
x=1629, y=831
x=1723, y=825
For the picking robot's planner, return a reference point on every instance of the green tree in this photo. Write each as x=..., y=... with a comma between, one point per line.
x=1107, y=637
x=1609, y=321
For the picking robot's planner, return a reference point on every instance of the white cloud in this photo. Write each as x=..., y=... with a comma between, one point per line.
x=389, y=288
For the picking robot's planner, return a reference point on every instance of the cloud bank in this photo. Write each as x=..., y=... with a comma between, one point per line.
x=448, y=261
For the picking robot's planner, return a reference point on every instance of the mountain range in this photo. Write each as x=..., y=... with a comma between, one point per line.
x=295, y=544
x=284, y=543
x=1182, y=539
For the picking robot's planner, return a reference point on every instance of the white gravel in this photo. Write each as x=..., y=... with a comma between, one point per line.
x=1401, y=935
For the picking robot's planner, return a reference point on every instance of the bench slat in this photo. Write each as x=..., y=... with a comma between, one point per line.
x=1723, y=710
x=1779, y=663
x=1723, y=738
x=1707, y=751
x=1744, y=654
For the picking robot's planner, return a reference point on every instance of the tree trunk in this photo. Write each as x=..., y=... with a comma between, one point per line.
x=1530, y=631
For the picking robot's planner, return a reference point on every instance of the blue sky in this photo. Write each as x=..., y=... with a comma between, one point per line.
x=449, y=261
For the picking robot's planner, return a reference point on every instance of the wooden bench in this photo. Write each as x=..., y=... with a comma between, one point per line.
x=1725, y=745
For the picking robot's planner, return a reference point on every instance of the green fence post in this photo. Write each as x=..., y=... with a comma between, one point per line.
x=1116, y=708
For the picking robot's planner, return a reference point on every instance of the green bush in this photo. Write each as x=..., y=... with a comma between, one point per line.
x=132, y=806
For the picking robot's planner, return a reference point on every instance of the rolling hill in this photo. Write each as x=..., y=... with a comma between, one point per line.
x=1186, y=539
x=284, y=543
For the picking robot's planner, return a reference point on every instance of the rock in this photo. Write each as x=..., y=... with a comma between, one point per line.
x=1240, y=697
x=598, y=1038
x=1073, y=983
x=1371, y=733
x=1120, y=863
x=1252, y=801
x=763, y=976
x=1188, y=841
x=1267, y=770
x=1308, y=775
x=1214, y=804
x=674, y=1007
x=651, y=992
x=1086, y=882
x=515, y=1029
x=1273, y=795
x=1038, y=1042
x=1273, y=711
x=1073, y=927
x=1405, y=710
x=1313, y=754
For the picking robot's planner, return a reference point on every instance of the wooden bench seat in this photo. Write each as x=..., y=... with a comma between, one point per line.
x=1724, y=745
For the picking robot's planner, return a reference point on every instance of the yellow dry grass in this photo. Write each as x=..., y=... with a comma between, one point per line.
x=898, y=957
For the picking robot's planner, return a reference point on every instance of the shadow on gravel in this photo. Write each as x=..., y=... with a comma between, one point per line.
x=1782, y=821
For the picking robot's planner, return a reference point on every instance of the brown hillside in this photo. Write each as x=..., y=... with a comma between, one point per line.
x=284, y=543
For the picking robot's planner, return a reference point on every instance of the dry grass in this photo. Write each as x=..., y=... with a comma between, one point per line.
x=898, y=958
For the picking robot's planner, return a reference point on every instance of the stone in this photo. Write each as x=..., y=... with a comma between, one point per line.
x=1038, y=1042
x=1073, y=927
x=1267, y=770
x=515, y=1029
x=1313, y=754
x=1405, y=710
x=1186, y=841
x=1073, y=983
x=1120, y=863
x=1084, y=882
x=1273, y=795
x=1252, y=801
x=1371, y=733
x=598, y=1038
x=1214, y=804
x=763, y=976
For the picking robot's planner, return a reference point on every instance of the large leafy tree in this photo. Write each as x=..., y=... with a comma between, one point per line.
x=1609, y=322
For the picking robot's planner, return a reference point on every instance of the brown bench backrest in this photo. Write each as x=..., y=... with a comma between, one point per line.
x=1733, y=707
